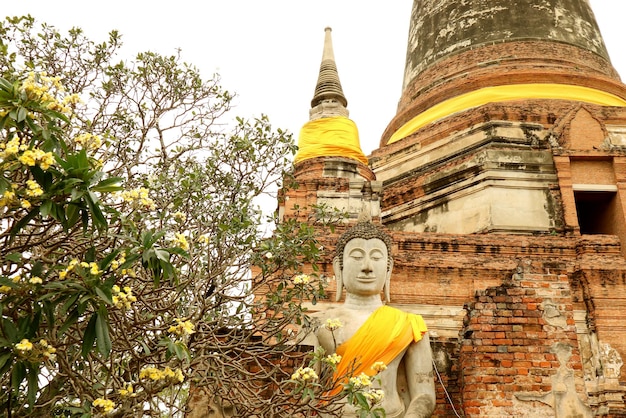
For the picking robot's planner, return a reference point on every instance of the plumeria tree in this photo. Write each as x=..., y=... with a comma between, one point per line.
x=133, y=246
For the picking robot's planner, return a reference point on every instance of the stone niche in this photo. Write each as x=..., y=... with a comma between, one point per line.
x=494, y=177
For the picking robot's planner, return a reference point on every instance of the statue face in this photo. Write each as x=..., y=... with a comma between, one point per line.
x=365, y=266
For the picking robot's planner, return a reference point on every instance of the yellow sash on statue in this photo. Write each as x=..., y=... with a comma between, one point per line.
x=386, y=333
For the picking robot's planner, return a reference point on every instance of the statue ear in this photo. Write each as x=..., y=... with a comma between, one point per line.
x=387, y=285
x=338, y=277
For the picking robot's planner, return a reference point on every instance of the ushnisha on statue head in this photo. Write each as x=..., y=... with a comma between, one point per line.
x=365, y=230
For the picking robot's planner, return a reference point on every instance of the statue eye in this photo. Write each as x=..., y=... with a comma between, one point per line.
x=357, y=255
x=376, y=255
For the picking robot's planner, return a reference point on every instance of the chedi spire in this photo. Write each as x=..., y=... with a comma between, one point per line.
x=328, y=99
x=329, y=132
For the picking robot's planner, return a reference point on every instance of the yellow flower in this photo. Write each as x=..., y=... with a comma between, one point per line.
x=138, y=197
x=181, y=241
x=304, y=374
x=333, y=324
x=62, y=274
x=5, y=289
x=35, y=280
x=25, y=204
x=333, y=359
x=301, y=279
x=27, y=158
x=24, y=345
x=10, y=148
x=155, y=374
x=379, y=366
x=127, y=391
x=93, y=268
x=122, y=299
x=182, y=328
x=33, y=188
x=105, y=404
x=374, y=396
x=7, y=198
x=72, y=99
x=361, y=381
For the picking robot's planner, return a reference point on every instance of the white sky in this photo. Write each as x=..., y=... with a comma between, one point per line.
x=269, y=52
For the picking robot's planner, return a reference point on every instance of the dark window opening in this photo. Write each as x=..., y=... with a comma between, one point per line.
x=597, y=212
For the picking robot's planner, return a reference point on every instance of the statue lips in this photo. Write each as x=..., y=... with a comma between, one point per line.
x=366, y=279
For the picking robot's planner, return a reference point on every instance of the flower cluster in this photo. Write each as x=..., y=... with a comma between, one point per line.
x=63, y=273
x=33, y=189
x=182, y=328
x=333, y=324
x=181, y=241
x=88, y=141
x=304, y=375
x=28, y=156
x=47, y=351
x=332, y=359
x=92, y=266
x=127, y=390
x=179, y=217
x=24, y=345
x=35, y=280
x=361, y=381
x=374, y=396
x=36, y=352
x=105, y=405
x=123, y=298
x=379, y=366
x=301, y=279
x=32, y=157
x=138, y=197
x=42, y=88
x=154, y=374
x=115, y=264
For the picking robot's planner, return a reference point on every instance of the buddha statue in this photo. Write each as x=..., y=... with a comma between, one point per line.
x=374, y=333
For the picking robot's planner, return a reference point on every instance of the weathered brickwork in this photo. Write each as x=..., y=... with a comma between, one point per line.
x=508, y=347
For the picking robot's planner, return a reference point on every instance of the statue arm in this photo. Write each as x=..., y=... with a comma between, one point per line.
x=419, y=372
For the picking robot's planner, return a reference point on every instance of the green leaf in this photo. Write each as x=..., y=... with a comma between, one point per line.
x=9, y=330
x=108, y=185
x=17, y=375
x=33, y=384
x=14, y=257
x=21, y=113
x=4, y=359
x=24, y=221
x=90, y=335
x=98, y=218
x=71, y=320
x=162, y=255
x=105, y=294
x=103, y=340
x=45, y=208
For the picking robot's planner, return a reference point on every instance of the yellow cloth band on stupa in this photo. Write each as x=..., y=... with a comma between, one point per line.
x=336, y=136
x=502, y=94
x=385, y=335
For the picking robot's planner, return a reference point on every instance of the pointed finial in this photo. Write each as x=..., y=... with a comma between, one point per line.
x=328, y=86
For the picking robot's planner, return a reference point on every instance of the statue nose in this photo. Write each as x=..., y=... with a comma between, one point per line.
x=367, y=265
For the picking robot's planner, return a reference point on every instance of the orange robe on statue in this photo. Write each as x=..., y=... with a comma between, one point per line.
x=386, y=333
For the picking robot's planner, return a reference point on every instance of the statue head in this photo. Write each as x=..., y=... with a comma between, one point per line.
x=363, y=261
